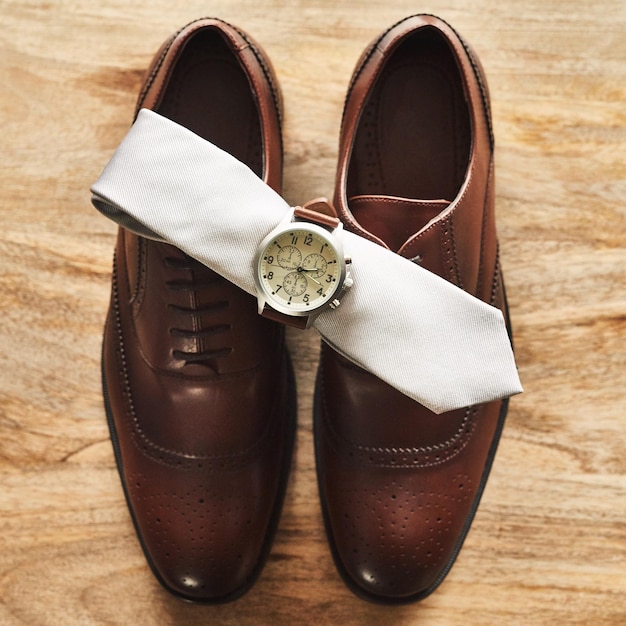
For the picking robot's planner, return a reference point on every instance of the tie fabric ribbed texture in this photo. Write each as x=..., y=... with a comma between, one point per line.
x=416, y=331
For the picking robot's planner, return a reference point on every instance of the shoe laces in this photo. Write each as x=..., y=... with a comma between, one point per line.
x=199, y=326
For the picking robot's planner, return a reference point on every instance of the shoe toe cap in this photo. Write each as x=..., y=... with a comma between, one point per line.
x=205, y=542
x=395, y=540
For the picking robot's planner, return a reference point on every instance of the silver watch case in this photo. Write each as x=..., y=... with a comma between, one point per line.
x=333, y=238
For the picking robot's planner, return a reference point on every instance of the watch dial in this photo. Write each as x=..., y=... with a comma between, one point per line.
x=299, y=270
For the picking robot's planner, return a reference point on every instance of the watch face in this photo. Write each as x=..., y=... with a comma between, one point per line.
x=299, y=269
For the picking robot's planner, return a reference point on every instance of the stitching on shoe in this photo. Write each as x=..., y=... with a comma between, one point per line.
x=266, y=72
x=455, y=258
x=496, y=284
x=448, y=245
x=155, y=70
x=483, y=232
x=142, y=273
x=460, y=438
x=429, y=456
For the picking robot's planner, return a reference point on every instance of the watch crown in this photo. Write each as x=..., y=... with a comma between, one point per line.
x=334, y=304
x=348, y=282
x=348, y=260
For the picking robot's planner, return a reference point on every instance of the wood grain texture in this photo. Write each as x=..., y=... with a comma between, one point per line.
x=548, y=545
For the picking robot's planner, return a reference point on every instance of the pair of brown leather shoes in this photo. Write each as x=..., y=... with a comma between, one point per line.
x=198, y=388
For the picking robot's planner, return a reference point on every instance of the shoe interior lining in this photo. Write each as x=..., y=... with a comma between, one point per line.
x=209, y=93
x=414, y=136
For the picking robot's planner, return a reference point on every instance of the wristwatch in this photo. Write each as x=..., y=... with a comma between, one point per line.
x=300, y=266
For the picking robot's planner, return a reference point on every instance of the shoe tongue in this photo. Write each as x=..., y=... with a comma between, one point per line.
x=394, y=220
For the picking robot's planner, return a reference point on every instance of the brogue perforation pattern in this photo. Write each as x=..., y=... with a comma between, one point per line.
x=412, y=529
x=202, y=528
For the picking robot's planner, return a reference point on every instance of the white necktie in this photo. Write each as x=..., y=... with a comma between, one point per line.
x=416, y=331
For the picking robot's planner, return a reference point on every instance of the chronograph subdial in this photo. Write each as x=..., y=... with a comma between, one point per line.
x=314, y=265
x=295, y=284
x=289, y=257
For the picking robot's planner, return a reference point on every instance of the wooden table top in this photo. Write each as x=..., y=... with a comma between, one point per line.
x=548, y=545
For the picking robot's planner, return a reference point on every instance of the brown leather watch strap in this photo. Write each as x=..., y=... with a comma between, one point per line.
x=283, y=318
x=319, y=212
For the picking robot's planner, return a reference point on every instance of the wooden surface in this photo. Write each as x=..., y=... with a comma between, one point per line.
x=548, y=545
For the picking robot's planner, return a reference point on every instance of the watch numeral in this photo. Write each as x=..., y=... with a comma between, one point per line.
x=278, y=288
x=308, y=240
x=269, y=259
x=294, y=240
x=329, y=278
x=270, y=275
x=320, y=291
x=322, y=248
x=306, y=298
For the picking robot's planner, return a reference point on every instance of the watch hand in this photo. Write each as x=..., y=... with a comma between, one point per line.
x=312, y=269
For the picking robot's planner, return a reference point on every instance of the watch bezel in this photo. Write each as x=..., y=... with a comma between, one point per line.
x=329, y=237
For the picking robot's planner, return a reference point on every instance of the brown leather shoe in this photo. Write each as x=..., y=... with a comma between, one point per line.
x=400, y=485
x=198, y=387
